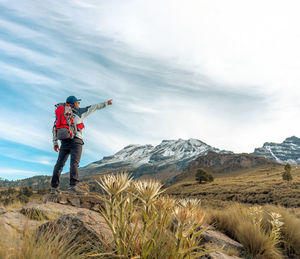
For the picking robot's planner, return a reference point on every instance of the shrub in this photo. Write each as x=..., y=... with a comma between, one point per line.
x=286, y=175
x=27, y=191
x=203, y=176
x=23, y=198
x=42, y=191
x=147, y=225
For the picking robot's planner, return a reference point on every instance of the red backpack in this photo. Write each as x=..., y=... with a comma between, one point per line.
x=64, y=124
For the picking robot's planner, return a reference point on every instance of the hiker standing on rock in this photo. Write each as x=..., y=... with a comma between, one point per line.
x=68, y=128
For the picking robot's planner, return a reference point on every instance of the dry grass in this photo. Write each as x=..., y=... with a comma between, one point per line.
x=255, y=186
x=25, y=245
x=265, y=232
x=290, y=230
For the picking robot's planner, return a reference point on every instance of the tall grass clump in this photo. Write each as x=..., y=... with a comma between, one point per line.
x=24, y=244
x=290, y=230
x=146, y=224
x=258, y=230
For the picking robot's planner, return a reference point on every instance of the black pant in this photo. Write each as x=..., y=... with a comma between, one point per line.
x=68, y=146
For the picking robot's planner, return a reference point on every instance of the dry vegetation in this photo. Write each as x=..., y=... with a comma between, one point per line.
x=147, y=223
x=265, y=232
x=260, y=186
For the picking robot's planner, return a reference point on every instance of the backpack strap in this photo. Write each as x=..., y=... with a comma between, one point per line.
x=68, y=113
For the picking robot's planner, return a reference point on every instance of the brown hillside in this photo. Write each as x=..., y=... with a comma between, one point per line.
x=222, y=164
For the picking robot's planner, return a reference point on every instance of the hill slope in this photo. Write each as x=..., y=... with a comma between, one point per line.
x=219, y=164
x=261, y=185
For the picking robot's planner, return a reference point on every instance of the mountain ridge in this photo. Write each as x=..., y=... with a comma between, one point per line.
x=147, y=159
x=164, y=161
x=286, y=152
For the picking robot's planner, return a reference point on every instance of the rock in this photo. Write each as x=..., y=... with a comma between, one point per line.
x=86, y=205
x=93, y=202
x=2, y=210
x=48, y=211
x=84, y=228
x=14, y=225
x=219, y=255
x=74, y=201
x=209, y=235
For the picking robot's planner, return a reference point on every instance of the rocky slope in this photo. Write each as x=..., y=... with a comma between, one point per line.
x=286, y=152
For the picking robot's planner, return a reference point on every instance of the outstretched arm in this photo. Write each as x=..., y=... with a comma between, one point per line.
x=84, y=112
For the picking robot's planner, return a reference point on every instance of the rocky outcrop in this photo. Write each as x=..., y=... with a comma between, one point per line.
x=92, y=202
x=286, y=152
x=211, y=235
x=47, y=211
x=86, y=228
x=211, y=239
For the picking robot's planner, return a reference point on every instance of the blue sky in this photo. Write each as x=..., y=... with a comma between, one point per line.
x=224, y=72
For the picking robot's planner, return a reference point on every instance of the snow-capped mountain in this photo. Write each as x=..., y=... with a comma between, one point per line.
x=151, y=159
x=286, y=152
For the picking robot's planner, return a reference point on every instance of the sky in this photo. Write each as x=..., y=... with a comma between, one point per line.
x=223, y=72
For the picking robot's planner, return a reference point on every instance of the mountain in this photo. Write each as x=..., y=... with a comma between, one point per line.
x=163, y=161
x=219, y=164
x=286, y=152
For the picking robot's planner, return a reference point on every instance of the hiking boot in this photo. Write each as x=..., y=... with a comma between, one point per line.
x=76, y=190
x=54, y=190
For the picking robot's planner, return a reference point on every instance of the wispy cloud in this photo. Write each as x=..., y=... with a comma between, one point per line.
x=174, y=69
x=15, y=174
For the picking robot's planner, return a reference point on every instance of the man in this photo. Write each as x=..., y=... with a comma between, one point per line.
x=73, y=146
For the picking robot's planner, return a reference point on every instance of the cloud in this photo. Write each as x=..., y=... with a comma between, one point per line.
x=16, y=174
x=200, y=69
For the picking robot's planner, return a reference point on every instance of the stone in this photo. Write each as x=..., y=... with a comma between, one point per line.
x=219, y=255
x=85, y=227
x=86, y=205
x=209, y=235
x=93, y=202
x=75, y=202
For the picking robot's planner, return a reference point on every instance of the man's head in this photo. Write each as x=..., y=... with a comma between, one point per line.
x=73, y=101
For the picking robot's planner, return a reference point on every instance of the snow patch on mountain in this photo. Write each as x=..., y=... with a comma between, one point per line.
x=286, y=152
x=167, y=152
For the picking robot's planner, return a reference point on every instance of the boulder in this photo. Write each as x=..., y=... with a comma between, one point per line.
x=210, y=235
x=86, y=228
x=219, y=255
x=13, y=225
